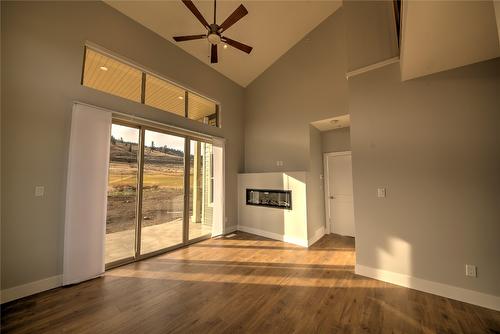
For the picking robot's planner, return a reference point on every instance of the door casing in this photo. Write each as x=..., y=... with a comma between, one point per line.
x=326, y=180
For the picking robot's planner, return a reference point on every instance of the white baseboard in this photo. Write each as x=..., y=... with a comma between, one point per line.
x=230, y=229
x=440, y=289
x=318, y=234
x=275, y=236
x=31, y=288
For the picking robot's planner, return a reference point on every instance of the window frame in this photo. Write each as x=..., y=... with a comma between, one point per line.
x=211, y=182
x=145, y=71
x=185, y=94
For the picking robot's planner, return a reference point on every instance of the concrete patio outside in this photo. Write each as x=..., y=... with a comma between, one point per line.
x=120, y=245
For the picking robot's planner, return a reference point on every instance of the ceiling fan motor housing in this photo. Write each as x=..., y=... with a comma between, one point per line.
x=213, y=34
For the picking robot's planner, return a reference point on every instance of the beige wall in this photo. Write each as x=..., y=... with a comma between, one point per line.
x=443, y=35
x=315, y=185
x=42, y=50
x=337, y=140
x=433, y=142
x=306, y=84
x=370, y=32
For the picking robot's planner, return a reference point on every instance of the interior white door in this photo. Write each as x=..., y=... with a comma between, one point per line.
x=340, y=196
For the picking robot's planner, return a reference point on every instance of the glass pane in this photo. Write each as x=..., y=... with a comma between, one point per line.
x=163, y=191
x=200, y=189
x=111, y=76
x=165, y=96
x=122, y=193
x=202, y=110
x=272, y=198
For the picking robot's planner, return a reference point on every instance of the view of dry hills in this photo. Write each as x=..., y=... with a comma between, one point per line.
x=163, y=185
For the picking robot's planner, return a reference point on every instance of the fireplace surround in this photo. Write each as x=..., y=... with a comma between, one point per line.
x=289, y=224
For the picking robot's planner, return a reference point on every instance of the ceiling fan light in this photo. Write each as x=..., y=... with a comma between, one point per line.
x=214, y=38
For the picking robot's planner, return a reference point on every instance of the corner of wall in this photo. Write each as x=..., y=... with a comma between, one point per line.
x=439, y=289
x=314, y=186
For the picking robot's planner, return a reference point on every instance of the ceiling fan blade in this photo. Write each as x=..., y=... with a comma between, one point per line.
x=188, y=38
x=238, y=45
x=234, y=17
x=190, y=5
x=213, y=55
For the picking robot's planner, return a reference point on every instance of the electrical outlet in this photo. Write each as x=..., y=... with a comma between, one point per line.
x=470, y=270
x=279, y=163
x=381, y=192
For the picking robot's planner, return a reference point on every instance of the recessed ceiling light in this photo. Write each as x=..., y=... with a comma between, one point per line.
x=103, y=68
x=225, y=46
x=181, y=97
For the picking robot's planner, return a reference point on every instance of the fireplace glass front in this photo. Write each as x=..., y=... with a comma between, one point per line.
x=271, y=198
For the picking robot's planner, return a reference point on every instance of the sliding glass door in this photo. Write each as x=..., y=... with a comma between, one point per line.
x=201, y=189
x=160, y=192
x=123, y=171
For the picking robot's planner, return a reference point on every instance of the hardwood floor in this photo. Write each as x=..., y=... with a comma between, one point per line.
x=244, y=284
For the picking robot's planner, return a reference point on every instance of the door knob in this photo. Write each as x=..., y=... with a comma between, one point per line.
x=332, y=197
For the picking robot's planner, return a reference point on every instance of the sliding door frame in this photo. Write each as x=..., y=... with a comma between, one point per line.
x=188, y=141
x=185, y=216
x=139, y=187
x=188, y=136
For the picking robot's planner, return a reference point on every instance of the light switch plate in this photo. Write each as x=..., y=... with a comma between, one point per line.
x=39, y=191
x=470, y=270
x=381, y=192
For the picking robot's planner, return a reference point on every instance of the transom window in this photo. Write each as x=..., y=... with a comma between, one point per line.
x=111, y=75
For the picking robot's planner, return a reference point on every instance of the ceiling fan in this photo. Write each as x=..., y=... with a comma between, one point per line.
x=215, y=31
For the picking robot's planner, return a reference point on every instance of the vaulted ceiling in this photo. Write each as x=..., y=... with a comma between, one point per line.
x=271, y=28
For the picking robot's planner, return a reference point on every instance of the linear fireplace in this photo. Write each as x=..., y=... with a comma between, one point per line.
x=281, y=199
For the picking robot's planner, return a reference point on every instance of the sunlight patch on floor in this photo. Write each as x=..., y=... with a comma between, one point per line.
x=250, y=278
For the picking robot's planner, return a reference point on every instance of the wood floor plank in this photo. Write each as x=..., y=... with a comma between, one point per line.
x=244, y=284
